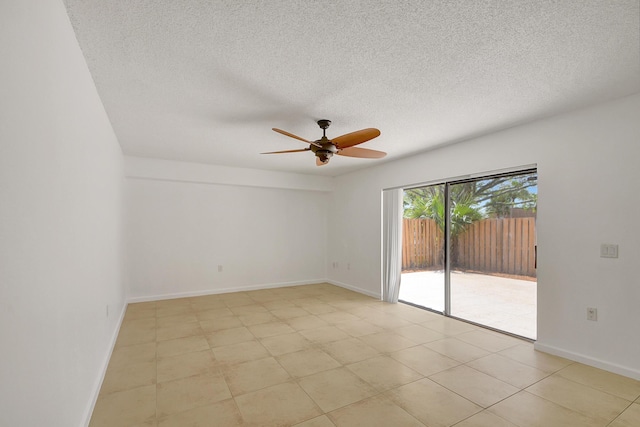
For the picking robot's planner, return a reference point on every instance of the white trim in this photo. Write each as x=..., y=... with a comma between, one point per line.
x=587, y=360
x=198, y=173
x=222, y=290
x=355, y=289
x=105, y=364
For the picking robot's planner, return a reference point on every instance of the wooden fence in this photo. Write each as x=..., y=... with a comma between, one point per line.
x=422, y=244
x=495, y=245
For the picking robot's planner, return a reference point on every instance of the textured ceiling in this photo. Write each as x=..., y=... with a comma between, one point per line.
x=205, y=81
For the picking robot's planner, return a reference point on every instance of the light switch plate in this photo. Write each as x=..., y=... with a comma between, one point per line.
x=608, y=251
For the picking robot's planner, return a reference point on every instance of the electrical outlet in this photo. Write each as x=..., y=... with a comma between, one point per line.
x=219, y=268
x=348, y=266
x=592, y=314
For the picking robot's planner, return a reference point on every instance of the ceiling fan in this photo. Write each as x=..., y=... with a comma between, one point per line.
x=344, y=145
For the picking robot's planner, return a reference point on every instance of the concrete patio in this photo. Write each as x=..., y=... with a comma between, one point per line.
x=501, y=303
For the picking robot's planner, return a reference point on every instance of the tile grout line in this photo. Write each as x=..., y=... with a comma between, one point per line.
x=346, y=307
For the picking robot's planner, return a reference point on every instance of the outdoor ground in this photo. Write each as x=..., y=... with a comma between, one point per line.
x=501, y=303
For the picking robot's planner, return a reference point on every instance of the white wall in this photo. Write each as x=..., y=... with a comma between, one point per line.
x=588, y=194
x=61, y=184
x=182, y=224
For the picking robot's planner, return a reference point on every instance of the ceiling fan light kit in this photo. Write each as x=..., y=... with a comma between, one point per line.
x=324, y=148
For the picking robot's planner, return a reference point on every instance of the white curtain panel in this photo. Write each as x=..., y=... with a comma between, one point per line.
x=391, y=244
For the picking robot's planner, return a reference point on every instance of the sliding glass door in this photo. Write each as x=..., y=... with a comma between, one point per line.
x=423, y=275
x=492, y=252
x=469, y=250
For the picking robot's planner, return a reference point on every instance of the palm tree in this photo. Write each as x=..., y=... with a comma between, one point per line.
x=428, y=202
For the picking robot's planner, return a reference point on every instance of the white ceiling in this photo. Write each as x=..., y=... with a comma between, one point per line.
x=205, y=81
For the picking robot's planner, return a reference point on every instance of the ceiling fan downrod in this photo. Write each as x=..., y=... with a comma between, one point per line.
x=328, y=149
x=324, y=124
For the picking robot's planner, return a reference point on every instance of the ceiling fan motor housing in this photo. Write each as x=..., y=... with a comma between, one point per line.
x=326, y=149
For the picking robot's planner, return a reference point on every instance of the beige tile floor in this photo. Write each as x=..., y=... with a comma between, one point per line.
x=320, y=356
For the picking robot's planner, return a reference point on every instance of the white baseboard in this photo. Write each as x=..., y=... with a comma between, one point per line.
x=355, y=289
x=587, y=360
x=134, y=299
x=105, y=364
x=222, y=290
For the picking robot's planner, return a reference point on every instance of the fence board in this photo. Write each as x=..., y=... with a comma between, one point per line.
x=517, y=237
x=495, y=245
x=532, y=252
x=499, y=246
x=512, y=242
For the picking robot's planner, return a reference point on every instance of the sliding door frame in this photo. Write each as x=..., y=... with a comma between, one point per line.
x=447, y=231
x=447, y=250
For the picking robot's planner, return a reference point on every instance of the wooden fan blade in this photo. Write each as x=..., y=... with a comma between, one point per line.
x=284, y=132
x=363, y=153
x=355, y=138
x=320, y=162
x=287, y=151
